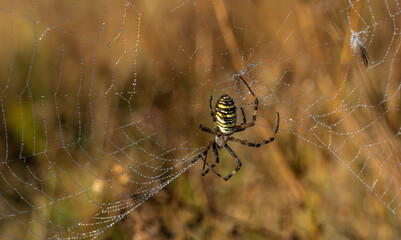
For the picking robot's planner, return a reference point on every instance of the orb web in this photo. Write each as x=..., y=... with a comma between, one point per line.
x=100, y=102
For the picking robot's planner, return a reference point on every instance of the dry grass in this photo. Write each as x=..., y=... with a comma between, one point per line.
x=300, y=186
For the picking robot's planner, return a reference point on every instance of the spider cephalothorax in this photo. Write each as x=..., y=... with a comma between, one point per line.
x=224, y=116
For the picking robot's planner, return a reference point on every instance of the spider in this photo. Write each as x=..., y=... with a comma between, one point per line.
x=224, y=117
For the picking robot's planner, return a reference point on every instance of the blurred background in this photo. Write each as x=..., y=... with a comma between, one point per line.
x=101, y=102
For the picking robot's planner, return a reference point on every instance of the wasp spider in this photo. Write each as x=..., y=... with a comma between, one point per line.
x=224, y=115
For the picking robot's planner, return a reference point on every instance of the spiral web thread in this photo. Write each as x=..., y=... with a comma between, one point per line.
x=83, y=146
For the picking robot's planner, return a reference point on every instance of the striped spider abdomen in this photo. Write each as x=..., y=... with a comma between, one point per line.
x=226, y=114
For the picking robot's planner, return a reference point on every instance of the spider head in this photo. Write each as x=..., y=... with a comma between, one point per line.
x=221, y=140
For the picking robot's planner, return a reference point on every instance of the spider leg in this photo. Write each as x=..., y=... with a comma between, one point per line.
x=239, y=164
x=243, y=116
x=213, y=115
x=205, y=129
x=203, y=154
x=241, y=127
x=250, y=144
x=204, y=160
x=212, y=112
x=247, y=86
x=216, y=161
x=245, y=125
x=218, y=174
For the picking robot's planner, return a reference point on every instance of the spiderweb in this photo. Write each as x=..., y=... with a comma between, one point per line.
x=100, y=101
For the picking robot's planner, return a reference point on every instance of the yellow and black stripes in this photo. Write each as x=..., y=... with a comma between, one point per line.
x=226, y=114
